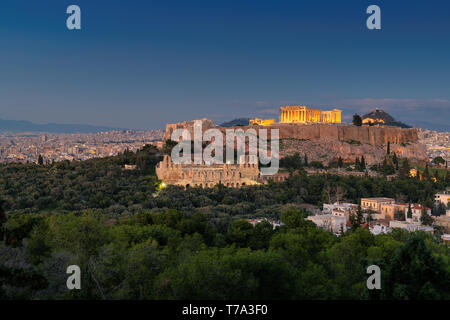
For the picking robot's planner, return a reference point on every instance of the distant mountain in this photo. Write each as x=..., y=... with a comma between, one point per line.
x=378, y=116
x=236, y=122
x=27, y=126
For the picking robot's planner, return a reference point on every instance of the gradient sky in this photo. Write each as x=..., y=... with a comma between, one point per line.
x=141, y=64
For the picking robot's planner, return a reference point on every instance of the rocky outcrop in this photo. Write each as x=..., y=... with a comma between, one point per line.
x=326, y=150
x=328, y=142
x=376, y=136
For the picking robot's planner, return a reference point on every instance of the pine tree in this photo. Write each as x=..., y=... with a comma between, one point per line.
x=40, y=160
x=339, y=163
x=369, y=218
x=3, y=219
x=394, y=158
x=363, y=163
x=426, y=173
x=359, y=215
x=357, y=164
x=409, y=214
x=357, y=121
x=425, y=218
x=389, y=148
x=404, y=170
x=306, y=160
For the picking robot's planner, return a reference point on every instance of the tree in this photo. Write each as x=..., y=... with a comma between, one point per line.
x=356, y=219
x=357, y=121
x=409, y=213
x=168, y=146
x=404, y=170
x=441, y=209
x=413, y=282
x=306, y=160
x=395, y=159
x=425, y=218
x=426, y=173
x=240, y=232
x=369, y=217
x=339, y=162
x=388, y=151
x=3, y=219
x=40, y=160
x=357, y=164
x=399, y=215
x=363, y=163
x=439, y=160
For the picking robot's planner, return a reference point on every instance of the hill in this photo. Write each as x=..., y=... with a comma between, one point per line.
x=236, y=122
x=381, y=117
x=27, y=126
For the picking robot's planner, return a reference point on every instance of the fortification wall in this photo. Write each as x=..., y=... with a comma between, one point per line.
x=376, y=136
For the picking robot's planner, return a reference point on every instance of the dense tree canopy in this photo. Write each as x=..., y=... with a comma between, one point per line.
x=133, y=240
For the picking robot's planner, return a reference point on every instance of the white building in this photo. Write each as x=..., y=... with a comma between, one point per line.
x=443, y=198
x=340, y=206
x=409, y=226
x=379, y=229
x=416, y=212
x=330, y=222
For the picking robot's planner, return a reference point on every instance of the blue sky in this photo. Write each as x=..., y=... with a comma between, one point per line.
x=141, y=64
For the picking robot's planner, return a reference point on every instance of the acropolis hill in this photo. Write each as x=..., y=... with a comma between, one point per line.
x=321, y=136
x=376, y=136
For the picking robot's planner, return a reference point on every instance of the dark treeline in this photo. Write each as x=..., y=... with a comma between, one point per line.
x=78, y=185
x=170, y=255
x=104, y=184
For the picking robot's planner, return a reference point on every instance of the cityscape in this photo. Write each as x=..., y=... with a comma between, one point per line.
x=223, y=159
x=26, y=147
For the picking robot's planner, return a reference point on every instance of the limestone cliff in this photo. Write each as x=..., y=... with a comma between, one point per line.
x=326, y=142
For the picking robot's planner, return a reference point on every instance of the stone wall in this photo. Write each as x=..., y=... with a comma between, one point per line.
x=203, y=175
x=376, y=136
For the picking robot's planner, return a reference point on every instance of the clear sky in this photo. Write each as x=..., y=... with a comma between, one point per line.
x=141, y=64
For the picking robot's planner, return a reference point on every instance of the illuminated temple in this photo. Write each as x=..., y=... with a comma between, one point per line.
x=302, y=114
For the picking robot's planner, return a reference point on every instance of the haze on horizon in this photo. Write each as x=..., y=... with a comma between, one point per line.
x=141, y=65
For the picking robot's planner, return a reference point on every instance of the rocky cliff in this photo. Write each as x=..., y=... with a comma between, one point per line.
x=376, y=136
x=326, y=142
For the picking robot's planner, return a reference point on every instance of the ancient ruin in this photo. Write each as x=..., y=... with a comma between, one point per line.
x=208, y=175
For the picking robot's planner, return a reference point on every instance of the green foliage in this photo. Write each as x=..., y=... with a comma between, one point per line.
x=198, y=243
x=168, y=146
x=97, y=183
x=426, y=219
x=291, y=163
x=316, y=164
x=439, y=160
x=357, y=121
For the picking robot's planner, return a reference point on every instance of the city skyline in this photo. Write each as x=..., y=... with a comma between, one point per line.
x=142, y=65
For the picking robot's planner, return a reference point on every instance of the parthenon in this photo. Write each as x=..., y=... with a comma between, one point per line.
x=303, y=114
